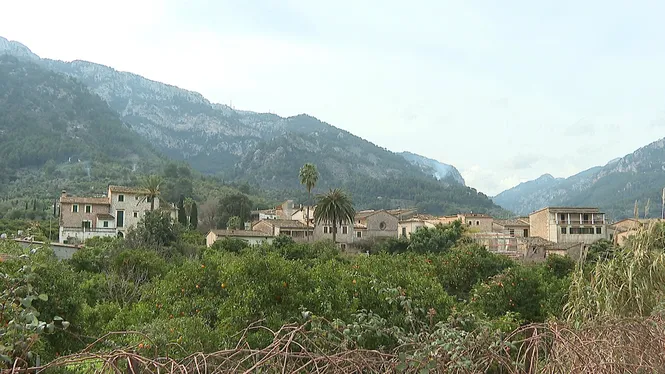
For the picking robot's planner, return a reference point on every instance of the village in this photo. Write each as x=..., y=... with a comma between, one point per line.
x=552, y=230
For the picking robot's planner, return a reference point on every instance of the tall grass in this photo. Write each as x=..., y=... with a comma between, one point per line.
x=630, y=284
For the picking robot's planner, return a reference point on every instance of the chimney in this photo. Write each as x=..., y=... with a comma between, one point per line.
x=63, y=193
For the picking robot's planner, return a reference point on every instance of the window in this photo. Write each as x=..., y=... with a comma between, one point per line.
x=599, y=230
x=382, y=225
x=526, y=233
x=325, y=229
x=404, y=231
x=120, y=218
x=562, y=217
x=582, y=230
x=86, y=225
x=136, y=197
x=88, y=208
x=75, y=208
x=136, y=214
x=477, y=223
x=563, y=230
x=511, y=232
x=470, y=223
x=343, y=246
x=121, y=198
x=105, y=224
x=345, y=230
x=148, y=199
x=359, y=234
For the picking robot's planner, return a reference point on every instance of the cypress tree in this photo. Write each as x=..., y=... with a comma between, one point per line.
x=194, y=217
x=34, y=204
x=26, y=205
x=182, y=215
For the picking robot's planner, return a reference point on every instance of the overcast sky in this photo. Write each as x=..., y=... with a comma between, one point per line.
x=503, y=90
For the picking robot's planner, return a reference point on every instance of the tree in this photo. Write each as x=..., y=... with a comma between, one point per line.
x=194, y=216
x=182, y=215
x=308, y=177
x=237, y=204
x=188, y=207
x=334, y=207
x=234, y=223
x=151, y=185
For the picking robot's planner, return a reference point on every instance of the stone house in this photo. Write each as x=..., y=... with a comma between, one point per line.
x=369, y=224
x=275, y=227
x=249, y=236
x=517, y=227
x=569, y=224
x=82, y=218
x=475, y=222
x=622, y=230
x=408, y=226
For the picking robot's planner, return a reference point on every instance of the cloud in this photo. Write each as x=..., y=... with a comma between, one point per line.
x=524, y=161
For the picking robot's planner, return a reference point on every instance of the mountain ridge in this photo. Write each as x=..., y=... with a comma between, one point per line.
x=264, y=149
x=614, y=187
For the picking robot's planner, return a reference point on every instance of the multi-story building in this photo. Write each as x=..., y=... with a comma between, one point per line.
x=569, y=224
x=122, y=208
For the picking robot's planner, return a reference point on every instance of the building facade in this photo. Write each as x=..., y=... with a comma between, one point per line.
x=295, y=229
x=82, y=218
x=569, y=224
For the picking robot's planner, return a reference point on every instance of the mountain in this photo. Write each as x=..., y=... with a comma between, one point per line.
x=639, y=176
x=437, y=169
x=263, y=149
x=50, y=119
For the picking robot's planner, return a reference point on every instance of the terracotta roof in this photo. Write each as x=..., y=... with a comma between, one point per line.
x=105, y=216
x=536, y=240
x=129, y=190
x=283, y=223
x=511, y=222
x=241, y=233
x=367, y=213
x=84, y=200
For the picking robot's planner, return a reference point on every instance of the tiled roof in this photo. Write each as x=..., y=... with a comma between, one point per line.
x=536, y=240
x=129, y=190
x=241, y=233
x=511, y=222
x=84, y=200
x=282, y=223
x=365, y=213
x=105, y=216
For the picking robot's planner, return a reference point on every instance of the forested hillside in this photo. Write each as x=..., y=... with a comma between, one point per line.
x=263, y=150
x=615, y=188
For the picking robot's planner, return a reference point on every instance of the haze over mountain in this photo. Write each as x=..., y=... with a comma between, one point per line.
x=614, y=187
x=436, y=168
x=260, y=148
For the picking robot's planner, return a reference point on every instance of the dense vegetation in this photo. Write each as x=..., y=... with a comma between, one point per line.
x=181, y=297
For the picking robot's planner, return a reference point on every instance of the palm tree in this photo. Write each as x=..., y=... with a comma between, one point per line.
x=334, y=207
x=308, y=177
x=150, y=186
